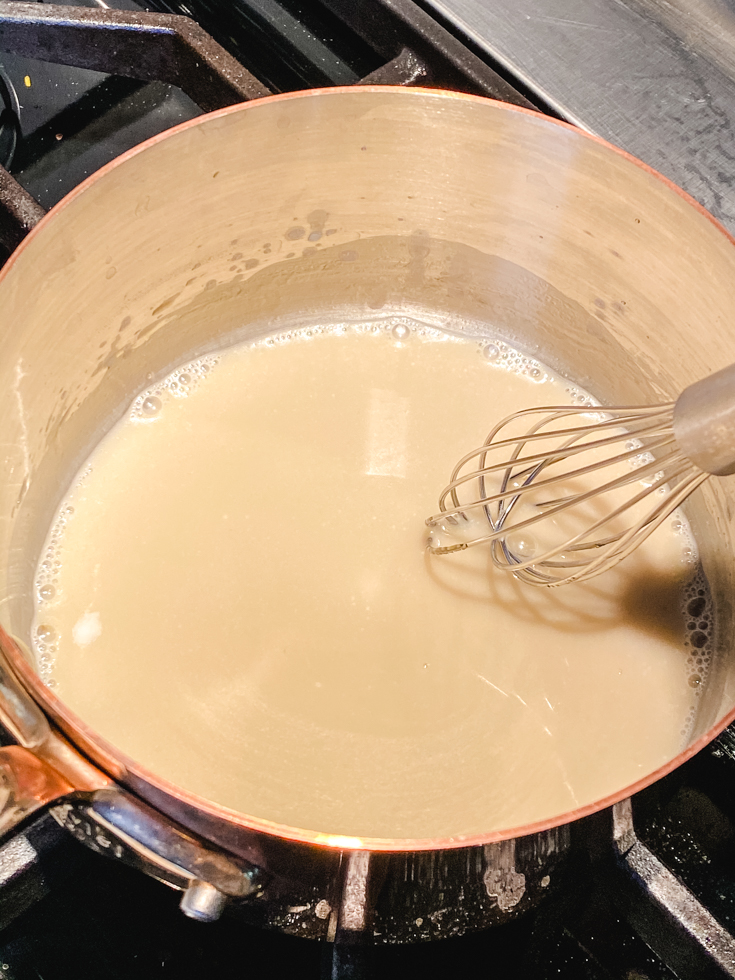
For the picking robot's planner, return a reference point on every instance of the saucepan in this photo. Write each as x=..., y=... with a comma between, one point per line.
x=376, y=199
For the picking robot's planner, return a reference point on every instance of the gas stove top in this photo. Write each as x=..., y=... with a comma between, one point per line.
x=66, y=912
x=649, y=891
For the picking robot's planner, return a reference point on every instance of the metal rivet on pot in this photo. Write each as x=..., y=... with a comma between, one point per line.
x=203, y=902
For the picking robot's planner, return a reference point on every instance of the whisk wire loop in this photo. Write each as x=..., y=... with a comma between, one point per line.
x=563, y=452
x=562, y=449
x=530, y=571
x=534, y=435
x=579, y=541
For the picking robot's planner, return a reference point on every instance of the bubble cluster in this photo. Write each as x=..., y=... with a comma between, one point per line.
x=179, y=384
x=500, y=355
x=151, y=405
x=579, y=397
x=651, y=481
x=44, y=634
x=305, y=333
x=47, y=578
x=147, y=406
x=403, y=328
x=698, y=613
x=398, y=328
x=689, y=551
x=641, y=459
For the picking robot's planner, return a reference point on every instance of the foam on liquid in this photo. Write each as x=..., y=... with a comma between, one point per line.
x=237, y=594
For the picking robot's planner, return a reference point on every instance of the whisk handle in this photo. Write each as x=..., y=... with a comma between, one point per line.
x=704, y=422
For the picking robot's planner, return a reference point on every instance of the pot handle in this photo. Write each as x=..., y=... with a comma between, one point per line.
x=19, y=713
x=26, y=785
x=114, y=823
x=43, y=768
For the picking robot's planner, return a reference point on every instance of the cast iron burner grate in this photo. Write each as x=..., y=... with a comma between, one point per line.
x=116, y=77
x=69, y=102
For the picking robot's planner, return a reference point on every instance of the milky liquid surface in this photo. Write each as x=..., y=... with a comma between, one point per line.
x=237, y=594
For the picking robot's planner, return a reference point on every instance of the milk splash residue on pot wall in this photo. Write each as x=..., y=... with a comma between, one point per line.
x=237, y=594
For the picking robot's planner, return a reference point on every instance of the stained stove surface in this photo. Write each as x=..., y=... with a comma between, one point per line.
x=655, y=78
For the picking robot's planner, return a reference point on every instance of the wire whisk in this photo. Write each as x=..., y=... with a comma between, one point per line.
x=581, y=487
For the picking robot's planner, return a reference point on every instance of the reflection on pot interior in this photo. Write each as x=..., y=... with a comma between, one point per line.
x=236, y=593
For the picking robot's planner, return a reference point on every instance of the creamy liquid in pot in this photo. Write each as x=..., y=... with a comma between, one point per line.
x=237, y=594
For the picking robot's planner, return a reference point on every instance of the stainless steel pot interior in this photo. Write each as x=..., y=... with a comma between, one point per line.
x=360, y=200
